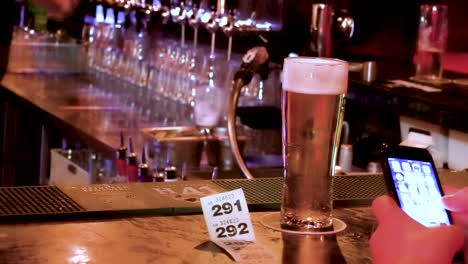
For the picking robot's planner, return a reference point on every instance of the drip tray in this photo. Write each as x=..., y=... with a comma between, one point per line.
x=36, y=201
x=168, y=198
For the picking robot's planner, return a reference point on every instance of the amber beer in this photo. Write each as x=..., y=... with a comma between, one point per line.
x=312, y=108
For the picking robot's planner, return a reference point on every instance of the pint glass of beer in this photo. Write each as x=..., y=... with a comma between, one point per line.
x=431, y=43
x=312, y=113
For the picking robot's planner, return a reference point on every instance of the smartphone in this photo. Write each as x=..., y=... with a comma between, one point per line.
x=412, y=181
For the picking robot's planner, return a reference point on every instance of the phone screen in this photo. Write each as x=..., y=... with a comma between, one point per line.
x=418, y=191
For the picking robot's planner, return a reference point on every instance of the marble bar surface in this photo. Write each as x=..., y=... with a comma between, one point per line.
x=176, y=239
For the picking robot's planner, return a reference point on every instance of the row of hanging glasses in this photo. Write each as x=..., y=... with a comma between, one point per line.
x=172, y=82
x=119, y=47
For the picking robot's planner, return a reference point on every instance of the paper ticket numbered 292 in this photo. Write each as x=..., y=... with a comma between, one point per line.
x=227, y=216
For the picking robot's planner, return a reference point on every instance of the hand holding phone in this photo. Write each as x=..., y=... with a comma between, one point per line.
x=401, y=239
x=413, y=182
x=456, y=201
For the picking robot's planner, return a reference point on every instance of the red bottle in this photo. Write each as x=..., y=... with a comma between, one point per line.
x=132, y=163
x=122, y=158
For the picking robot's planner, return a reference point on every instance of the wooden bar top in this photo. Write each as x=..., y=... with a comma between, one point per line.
x=175, y=239
x=183, y=239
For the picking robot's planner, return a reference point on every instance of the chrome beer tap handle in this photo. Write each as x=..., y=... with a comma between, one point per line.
x=255, y=61
x=220, y=8
x=165, y=15
x=324, y=20
x=157, y=6
x=194, y=20
x=345, y=23
x=321, y=29
x=179, y=16
x=229, y=22
x=179, y=13
x=212, y=23
x=194, y=15
x=229, y=29
x=247, y=25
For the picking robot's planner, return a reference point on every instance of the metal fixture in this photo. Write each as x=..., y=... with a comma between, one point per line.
x=367, y=69
x=229, y=29
x=179, y=16
x=212, y=23
x=254, y=62
x=323, y=19
x=194, y=20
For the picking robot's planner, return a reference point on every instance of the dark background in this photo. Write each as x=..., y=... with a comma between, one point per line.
x=385, y=30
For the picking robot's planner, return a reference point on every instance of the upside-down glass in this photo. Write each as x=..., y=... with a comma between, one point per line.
x=431, y=43
x=210, y=94
x=312, y=111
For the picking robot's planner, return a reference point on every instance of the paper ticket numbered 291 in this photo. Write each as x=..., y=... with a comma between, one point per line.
x=229, y=225
x=227, y=216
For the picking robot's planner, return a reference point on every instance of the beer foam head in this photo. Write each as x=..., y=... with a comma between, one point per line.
x=315, y=75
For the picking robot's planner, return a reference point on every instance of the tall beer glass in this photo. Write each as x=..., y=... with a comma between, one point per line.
x=431, y=43
x=312, y=111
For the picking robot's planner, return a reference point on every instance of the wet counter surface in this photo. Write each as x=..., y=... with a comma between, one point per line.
x=183, y=239
x=100, y=108
x=175, y=239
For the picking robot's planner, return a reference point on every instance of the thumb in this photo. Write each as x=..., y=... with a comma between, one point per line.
x=448, y=189
x=386, y=210
x=446, y=241
x=456, y=202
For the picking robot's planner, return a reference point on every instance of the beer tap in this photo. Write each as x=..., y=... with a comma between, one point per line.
x=148, y=8
x=212, y=24
x=144, y=12
x=253, y=24
x=255, y=61
x=165, y=14
x=229, y=28
x=323, y=19
x=179, y=16
x=194, y=20
x=157, y=6
x=88, y=33
x=248, y=25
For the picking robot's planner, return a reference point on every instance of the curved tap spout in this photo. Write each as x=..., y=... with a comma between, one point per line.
x=255, y=61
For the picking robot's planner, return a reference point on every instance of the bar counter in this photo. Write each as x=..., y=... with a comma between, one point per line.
x=182, y=239
x=175, y=239
x=445, y=106
x=100, y=107
x=97, y=112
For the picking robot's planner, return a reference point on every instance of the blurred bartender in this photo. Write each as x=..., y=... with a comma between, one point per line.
x=56, y=9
